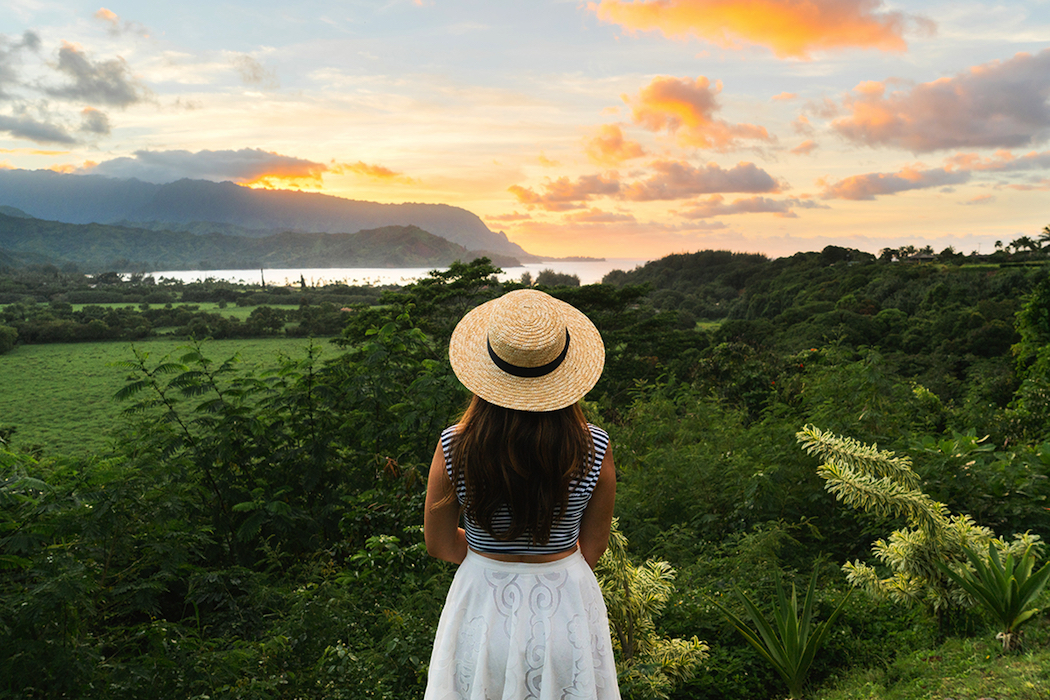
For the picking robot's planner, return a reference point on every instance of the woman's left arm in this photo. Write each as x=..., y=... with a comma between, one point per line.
x=444, y=537
x=597, y=517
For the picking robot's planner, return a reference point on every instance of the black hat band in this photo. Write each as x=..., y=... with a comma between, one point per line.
x=529, y=371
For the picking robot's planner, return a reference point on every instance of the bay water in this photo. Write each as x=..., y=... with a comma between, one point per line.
x=589, y=272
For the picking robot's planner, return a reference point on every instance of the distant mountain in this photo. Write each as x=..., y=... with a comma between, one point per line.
x=13, y=211
x=201, y=206
x=122, y=248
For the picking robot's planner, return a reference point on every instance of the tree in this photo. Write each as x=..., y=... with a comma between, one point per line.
x=435, y=302
x=550, y=278
x=1024, y=242
x=1030, y=408
x=266, y=320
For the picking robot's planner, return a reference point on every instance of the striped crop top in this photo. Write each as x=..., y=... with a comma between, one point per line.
x=564, y=532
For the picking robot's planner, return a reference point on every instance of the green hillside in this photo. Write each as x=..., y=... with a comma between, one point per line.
x=103, y=247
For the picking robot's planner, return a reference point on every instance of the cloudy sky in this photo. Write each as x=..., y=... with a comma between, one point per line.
x=611, y=127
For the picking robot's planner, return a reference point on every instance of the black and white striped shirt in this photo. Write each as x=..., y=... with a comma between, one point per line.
x=564, y=532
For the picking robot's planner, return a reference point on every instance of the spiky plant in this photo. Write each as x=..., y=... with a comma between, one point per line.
x=648, y=665
x=878, y=481
x=790, y=640
x=1005, y=590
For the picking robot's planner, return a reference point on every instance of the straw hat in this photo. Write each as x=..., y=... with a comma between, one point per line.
x=528, y=351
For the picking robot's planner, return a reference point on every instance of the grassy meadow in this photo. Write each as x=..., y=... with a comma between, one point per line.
x=59, y=396
x=241, y=313
x=959, y=668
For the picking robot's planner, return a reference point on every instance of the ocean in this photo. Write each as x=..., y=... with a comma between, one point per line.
x=588, y=272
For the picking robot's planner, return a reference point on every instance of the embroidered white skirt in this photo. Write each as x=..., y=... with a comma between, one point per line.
x=511, y=631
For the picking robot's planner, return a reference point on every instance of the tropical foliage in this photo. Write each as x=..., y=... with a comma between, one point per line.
x=1005, y=590
x=878, y=482
x=253, y=531
x=790, y=639
x=649, y=666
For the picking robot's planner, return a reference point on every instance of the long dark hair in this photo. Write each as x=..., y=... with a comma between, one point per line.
x=522, y=460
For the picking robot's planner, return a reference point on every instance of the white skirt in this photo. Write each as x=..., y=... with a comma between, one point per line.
x=511, y=631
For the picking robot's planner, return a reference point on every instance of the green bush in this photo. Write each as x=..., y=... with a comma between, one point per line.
x=8, y=336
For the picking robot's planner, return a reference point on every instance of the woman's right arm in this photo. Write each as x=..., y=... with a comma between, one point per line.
x=444, y=537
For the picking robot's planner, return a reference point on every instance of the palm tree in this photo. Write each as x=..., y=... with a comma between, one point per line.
x=1025, y=242
x=1044, y=237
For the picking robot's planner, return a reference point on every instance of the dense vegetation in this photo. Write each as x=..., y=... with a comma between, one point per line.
x=44, y=304
x=256, y=533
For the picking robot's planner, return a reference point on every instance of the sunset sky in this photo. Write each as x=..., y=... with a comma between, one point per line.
x=607, y=128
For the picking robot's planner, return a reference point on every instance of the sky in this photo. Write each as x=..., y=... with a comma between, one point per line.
x=605, y=128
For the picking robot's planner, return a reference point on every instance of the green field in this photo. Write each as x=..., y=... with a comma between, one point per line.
x=60, y=396
x=229, y=310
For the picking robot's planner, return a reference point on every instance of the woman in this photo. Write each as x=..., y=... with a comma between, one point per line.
x=535, y=486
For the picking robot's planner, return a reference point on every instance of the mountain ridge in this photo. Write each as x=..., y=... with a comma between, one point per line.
x=121, y=248
x=86, y=199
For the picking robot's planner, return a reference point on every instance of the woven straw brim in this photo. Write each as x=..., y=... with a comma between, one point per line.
x=570, y=382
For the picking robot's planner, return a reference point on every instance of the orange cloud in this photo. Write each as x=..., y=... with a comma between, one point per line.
x=374, y=172
x=686, y=108
x=609, y=147
x=1001, y=161
x=33, y=151
x=67, y=168
x=116, y=26
x=108, y=16
x=805, y=148
x=597, y=216
x=508, y=218
x=983, y=199
x=680, y=180
x=784, y=96
x=248, y=166
x=252, y=167
x=624, y=239
x=547, y=162
x=871, y=185
x=803, y=126
x=717, y=206
x=789, y=28
x=1041, y=185
x=563, y=194
x=287, y=174
x=283, y=181
x=996, y=104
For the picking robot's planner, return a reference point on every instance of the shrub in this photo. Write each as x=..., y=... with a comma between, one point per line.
x=8, y=336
